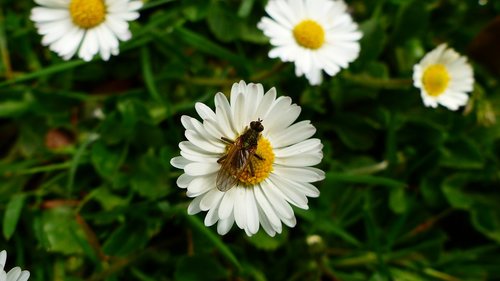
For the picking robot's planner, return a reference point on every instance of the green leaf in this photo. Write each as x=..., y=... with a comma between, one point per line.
x=462, y=153
x=414, y=14
x=373, y=40
x=12, y=214
x=107, y=199
x=365, y=179
x=431, y=191
x=483, y=207
x=106, y=161
x=333, y=228
x=397, y=200
x=149, y=179
x=61, y=233
x=205, y=45
x=261, y=240
x=200, y=267
x=13, y=108
x=354, y=131
x=486, y=219
x=223, y=248
x=128, y=238
x=452, y=189
x=223, y=22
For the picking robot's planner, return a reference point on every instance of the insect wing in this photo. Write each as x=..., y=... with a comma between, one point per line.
x=235, y=162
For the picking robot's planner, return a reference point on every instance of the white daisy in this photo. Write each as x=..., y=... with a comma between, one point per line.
x=315, y=34
x=281, y=172
x=84, y=26
x=15, y=274
x=443, y=77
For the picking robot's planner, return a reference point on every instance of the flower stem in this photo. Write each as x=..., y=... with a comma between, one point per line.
x=378, y=83
x=4, y=52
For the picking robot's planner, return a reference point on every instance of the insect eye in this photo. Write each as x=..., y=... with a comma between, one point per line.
x=257, y=126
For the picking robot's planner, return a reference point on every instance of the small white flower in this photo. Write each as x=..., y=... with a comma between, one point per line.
x=15, y=274
x=281, y=174
x=443, y=77
x=315, y=34
x=84, y=26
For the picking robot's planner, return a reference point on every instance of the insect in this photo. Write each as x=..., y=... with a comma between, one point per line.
x=238, y=157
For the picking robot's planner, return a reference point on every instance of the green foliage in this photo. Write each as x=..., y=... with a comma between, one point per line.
x=87, y=191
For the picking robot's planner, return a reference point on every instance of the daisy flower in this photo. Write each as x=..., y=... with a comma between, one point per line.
x=279, y=157
x=315, y=34
x=15, y=274
x=84, y=26
x=443, y=77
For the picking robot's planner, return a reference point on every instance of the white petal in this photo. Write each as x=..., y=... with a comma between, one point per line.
x=267, y=209
x=225, y=225
x=211, y=218
x=268, y=228
x=25, y=275
x=204, y=111
x=309, y=159
x=41, y=14
x=179, y=162
x=3, y=259
x=239, y=207
x=296, y=133
x=211, y=199
x=200, y=185
x=227, y=204
x=224, y=115
x=184, y=180
x=203, y=143
x=252, y=212
x=292, y=195
x=90, y=46
x=307, y=146
x=53, y=3
x=277, y=200
x=194, y=206
x=200, y=169
x=239, y=113
x=304, y=174
x=13, y=274
x=266, y=103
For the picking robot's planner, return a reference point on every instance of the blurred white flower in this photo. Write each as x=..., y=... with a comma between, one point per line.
x=15, y=274
x=443, y=77
x=84, y=26
x=277, y=175
x=315, y=34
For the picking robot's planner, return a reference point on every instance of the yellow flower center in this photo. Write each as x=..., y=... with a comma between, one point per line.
x=309, y=34
x=87, y=13
x=261, y=167
x=435, y=79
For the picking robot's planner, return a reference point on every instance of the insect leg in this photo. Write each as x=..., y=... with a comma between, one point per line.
x=222, y=158
x=226, y=140
x=252, y=171
x=258, y=156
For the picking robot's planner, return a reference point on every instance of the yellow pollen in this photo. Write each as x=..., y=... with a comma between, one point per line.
x=87, y=13
x=309, y=34
x=261, y=167
x=435, y=79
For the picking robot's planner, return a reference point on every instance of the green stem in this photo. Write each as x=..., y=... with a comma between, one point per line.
x=4, y=51
x=440, y=275
x=76, y=162
x=267, y=73
x=257, y=78
x=378, y=83
x=154, y=4
x=46, y=168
